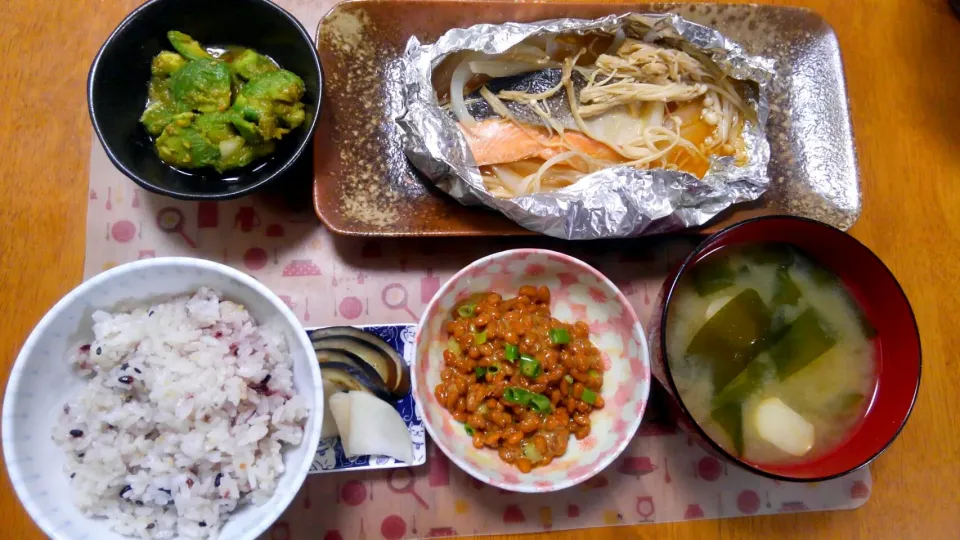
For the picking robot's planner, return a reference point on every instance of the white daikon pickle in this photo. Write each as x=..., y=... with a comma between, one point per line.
x=783, y=427
x=370, y=426
x=329, y=426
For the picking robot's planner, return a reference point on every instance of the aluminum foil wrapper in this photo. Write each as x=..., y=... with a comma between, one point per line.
x=611, y=203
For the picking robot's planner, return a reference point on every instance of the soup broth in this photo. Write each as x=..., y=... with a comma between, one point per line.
x=770, y=353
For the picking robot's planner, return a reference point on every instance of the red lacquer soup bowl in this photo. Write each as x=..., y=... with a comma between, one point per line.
x=878, y=294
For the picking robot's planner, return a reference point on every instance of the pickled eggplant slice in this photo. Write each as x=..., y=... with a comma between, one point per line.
x=325, y=356
x=728, y=340
x=348, y=378
x=807, y=339
x=369, y=349
x=712, y=275
x=730, y=418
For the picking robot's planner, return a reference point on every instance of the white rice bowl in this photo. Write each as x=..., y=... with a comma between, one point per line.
x=168, y=417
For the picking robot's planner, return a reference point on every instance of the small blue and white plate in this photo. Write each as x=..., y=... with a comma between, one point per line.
x=330, y=456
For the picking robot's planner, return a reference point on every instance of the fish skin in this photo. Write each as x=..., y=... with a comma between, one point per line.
x=533, y=83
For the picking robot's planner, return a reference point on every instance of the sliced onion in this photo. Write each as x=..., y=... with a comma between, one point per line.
x=458, y=81
x=559, y=158
x=524, y=50
x=501, y=68
x=509, y=180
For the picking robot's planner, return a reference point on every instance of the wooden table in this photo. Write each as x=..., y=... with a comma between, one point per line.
x=903, y=69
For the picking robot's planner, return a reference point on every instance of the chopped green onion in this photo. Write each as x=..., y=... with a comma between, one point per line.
x=467, y=310
x=511, y=352
x=541, y=404
x=530, y=452
x=481, y=372
x=518, y=395
x=559, y=336
x=493, y=369
x=468, y=429
x=568, y=378
x=480, y=338
x=594, y=373
x=454, y=346
x=589, y=396
x=529, y=366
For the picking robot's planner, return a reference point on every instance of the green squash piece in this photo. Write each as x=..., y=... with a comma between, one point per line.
x=250, y=63
x=216, y=126
x=156, y=117
x=245, y=155
x=805, y=341
x=186, y=147
x=270, y=99
x=712, y=275
x=202, y=85
x=280, y=85
x=187, y=46
x=189, y=108
x=729, y=339
x=787, y=292
x=290, y=115
x=158, y=91
x=730, y=418
x=166, y=63
x=248, y=130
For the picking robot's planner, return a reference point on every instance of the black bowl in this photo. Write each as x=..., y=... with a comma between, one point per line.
x=117, y=88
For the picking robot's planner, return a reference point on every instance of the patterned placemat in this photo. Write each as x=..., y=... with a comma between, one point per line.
x=330, y=280
x=326, y=280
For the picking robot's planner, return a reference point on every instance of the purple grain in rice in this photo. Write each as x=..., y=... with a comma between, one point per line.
x=188, y=418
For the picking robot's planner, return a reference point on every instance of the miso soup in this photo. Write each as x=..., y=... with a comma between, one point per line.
x=770, y=353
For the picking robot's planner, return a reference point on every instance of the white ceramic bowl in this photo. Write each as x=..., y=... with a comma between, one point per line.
x=41, y=379
x=578, y=293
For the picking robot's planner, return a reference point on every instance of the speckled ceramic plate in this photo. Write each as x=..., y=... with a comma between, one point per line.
x=364, y=186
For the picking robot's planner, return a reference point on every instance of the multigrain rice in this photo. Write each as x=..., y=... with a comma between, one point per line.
x=187, y=406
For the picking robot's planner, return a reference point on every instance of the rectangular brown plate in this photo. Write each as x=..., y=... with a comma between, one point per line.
x=363, y=184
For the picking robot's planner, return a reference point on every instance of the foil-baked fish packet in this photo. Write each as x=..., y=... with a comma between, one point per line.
x=612, y=201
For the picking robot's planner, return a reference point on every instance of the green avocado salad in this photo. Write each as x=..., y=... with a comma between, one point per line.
x=220, y=108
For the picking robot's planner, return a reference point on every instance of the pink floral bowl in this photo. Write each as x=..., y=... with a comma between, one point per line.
x=578, y=293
